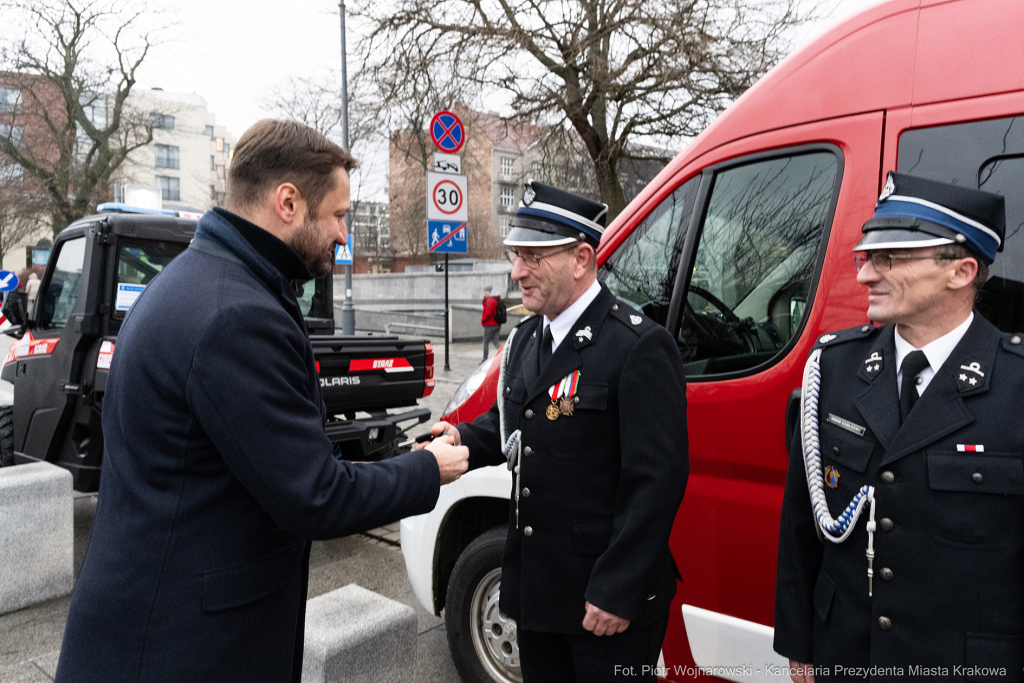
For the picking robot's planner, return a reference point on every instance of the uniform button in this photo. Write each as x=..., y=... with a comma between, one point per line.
x=615, y=307
x=526, y=493
x=888, y=477
x=884, y=623
x=1015, y=339
x=886, y=574
x=865, y=328
x=528, y=413
x=886, y=524
x=528, y=531
x=527, y=451
x=919, y=381
x=508, y=390
x=977, y=478
x=835, y=450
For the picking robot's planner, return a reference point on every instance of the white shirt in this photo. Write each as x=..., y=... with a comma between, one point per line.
x=936, y=352
x=564, y=321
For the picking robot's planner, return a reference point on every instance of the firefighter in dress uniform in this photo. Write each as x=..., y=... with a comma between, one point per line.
x=901, y=545
x=591, y=418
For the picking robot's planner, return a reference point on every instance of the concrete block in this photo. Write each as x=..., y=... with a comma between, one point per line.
x=357, y=636
x=36, y=534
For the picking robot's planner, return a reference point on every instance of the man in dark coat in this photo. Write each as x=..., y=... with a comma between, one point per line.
x=918, y=428
x=597, y=394
x=217, y=471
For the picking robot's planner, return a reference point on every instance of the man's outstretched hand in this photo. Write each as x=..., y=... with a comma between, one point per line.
x=602, y=623
x=452, y=460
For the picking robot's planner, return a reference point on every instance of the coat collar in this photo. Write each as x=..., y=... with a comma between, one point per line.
x=941, y=410
x=566, y=357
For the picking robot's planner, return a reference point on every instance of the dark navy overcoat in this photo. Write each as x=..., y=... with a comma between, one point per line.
x=216, y=475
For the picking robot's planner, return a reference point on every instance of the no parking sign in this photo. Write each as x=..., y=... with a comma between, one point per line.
x=447, y=132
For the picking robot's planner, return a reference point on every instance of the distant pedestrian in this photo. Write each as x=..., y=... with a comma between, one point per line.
x=492, y=328
x=32, y=289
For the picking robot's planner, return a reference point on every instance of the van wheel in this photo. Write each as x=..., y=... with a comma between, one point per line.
x=6, y=436
x=483, y=641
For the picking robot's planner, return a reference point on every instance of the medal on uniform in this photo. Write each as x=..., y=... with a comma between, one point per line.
x=563, y=396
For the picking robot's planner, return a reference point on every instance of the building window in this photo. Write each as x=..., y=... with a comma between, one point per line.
x=507, y=197
x=507, y=166
x=227, y=149
x=208, y=132
x=166, y=156
x=170, y=188
x=12, y=174
x=161, y=121
x=538, y=172
x=10, y=101
x=12, y=132
x=505, y=223
x=213, y=163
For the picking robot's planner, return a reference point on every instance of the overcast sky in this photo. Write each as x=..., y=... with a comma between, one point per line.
x=233, y=54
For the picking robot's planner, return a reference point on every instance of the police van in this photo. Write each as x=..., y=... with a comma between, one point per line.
x=741, y=248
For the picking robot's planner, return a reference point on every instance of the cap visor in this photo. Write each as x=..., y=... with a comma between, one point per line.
x=899, y=239
x=524, y=237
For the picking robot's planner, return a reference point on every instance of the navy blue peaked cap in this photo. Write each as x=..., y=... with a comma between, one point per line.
x=548, y=217
x=915, y=212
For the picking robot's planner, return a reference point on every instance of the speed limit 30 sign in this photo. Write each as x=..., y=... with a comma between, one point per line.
x=446, y=197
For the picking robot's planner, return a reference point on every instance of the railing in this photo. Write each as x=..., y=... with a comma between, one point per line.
x=432, y=328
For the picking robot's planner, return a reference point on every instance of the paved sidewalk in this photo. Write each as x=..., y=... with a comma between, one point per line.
x=30, y=639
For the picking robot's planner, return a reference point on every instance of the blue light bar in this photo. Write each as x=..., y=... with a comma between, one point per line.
x=117, y=207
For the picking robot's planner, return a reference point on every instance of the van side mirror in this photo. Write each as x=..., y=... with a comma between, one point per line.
x=15, y=309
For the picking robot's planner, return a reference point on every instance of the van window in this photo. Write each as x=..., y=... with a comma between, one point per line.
x=983, y=155
x=754, y=262
x=642, y=270
x=62, y=289
x=138, y=262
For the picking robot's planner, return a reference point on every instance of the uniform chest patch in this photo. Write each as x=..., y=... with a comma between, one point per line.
x=971, y=375
x=872, y=365
x=831, y=477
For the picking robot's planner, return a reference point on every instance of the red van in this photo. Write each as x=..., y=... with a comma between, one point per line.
x=741, y=247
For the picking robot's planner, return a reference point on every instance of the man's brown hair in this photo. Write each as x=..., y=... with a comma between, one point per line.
x=273, y=152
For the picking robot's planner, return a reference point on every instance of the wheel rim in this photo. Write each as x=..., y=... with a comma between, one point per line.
x=495, y=636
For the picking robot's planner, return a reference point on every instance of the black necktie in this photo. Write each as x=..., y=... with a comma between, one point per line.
x=545, y=347
x=912, y=366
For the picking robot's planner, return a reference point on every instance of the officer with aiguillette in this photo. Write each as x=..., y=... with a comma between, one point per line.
x=591, y=419
x=901, y=547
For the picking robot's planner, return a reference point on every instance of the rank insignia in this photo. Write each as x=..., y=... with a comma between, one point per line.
x=873, y=364
x=970, y=375
x=825, y=339
x=585, y=332
x=563, y=396
x=831, y=477
x=635, y=319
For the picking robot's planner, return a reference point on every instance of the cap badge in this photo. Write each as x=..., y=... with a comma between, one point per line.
x=635, y=319
x=825, y=339
x=585, y=332
x=831, y=477
x=890, y=187
x=873, y=364
x=529, y=195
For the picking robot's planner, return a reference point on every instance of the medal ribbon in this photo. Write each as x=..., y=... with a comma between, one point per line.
x=567, y=387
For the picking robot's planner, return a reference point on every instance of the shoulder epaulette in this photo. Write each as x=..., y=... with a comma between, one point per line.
x=849, y=334
x=1014, y=343
x=631, y=317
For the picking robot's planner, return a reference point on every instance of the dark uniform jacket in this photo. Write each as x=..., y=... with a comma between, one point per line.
x=605, y=483
x=216, y=474
x=949, y=544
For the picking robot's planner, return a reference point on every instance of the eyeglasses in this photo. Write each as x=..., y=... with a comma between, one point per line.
x=533, y=260
x=881, y=261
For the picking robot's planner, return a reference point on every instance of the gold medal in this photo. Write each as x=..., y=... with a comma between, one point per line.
x=552, y=412
x=566, y=405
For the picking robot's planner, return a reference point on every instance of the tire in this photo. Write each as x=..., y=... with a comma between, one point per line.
x=482, y=640
x=6, y=436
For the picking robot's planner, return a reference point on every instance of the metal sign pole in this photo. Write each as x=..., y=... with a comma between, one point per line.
x=447, y=315
x=348, y=313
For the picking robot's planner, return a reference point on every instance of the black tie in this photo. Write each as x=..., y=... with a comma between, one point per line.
x=912, y=366
x=545, y=347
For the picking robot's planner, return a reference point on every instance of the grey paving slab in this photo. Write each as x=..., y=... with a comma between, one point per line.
x=26, y=672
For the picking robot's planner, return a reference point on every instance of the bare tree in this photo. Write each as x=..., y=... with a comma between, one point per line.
x=22, y=210
x=614, y=70
x=69, y=125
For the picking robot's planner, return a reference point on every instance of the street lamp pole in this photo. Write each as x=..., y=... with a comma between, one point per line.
x=348, y=313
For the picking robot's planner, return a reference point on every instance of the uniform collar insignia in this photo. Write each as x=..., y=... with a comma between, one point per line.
x=970, y=375
x=585, y=332
x=872, y=365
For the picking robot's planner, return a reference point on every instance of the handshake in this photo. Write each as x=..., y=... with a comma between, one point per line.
x=452, y=456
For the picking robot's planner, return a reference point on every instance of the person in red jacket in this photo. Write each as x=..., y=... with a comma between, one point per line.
x=491, y=326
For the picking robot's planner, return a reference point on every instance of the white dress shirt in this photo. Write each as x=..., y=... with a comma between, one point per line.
x=936, y=352
x=564, y=321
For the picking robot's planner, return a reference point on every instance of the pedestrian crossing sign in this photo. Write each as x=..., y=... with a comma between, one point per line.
x=343, y=255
